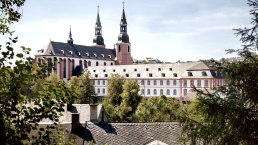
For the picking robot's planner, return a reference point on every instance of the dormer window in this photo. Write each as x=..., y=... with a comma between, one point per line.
x=87, y=54
x=79, y=53
x=204, y=73
x=71, y=52
x=109, y=56
x=50, y=51
x=95, y=55
x=102, y=55
x=190, y=74
x=62, y=51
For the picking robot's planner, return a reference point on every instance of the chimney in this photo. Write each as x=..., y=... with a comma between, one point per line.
x=75, y=122
x=94, y=113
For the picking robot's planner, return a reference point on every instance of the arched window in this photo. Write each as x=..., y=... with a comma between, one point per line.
x=85, y=64
x=97, y=63
x=161, y=91
x=155, y=92
x=168, y=92
x=103, y=91
x=168, y=82
x=174, y=92
x=98, y=90
x=64, y=68
x=174, y=82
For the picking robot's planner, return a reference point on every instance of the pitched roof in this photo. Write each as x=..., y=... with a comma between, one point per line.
x=123, y=133
x=74, y=50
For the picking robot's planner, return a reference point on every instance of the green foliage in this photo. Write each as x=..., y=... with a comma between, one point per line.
x=230, y=114
x=158, y=109
x=20, y=109
x=82, y=88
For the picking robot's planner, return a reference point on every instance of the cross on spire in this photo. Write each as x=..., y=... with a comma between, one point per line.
x=123, y=4
x=98, y=8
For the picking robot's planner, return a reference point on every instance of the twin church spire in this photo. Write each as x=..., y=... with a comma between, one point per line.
x=98, y=40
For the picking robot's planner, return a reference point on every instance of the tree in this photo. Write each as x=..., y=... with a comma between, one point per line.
x=113, y=98
x=82, y=88
x=130, y=100
x=19, y=112
x=158, y=109
x=230, y=114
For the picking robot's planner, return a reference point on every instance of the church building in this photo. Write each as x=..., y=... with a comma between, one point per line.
x=73, y=58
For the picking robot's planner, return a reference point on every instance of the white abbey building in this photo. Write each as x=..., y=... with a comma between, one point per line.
x=171, y=80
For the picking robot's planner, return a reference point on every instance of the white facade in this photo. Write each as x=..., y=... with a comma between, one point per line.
x=171, y=80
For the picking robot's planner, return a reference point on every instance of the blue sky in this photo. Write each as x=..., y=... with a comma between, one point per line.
x=170, y=30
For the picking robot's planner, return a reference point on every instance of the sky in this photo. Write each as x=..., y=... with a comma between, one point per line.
x=170, y=30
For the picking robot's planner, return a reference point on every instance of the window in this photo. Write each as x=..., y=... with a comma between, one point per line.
x=155, y=92
x=93, y=82
x=148, y=91
x=89, y=63
x=175, y=74
x=119, y=48
x=148, y=82
x=174, y=92
x=159, y=69
x=199, y=83
x=135, y=69
x=94, y=70
x=161, y=82
x=80, y=63
x=185, y=83
x=190, y=74
x=142, y=91
x=114, y=70
x=204, y=73
x=106, y=75
x=128, y=48
x=98, y=90
x=168, y=82
x=105, y=63
x=97, y=63
x=98, y=82
x=103, y=91
x=185, y=92
x=170, y=69
x=163, y=74
x=174, y=82
x=96, y=75
x=150, y=74
x=168, y=92
x=206, y=83
x=104, y=70
x=154, y=82
x=85, y=63
x=127, y=75
x=147, y=69
x=124, y=70
x=192, y=83
x=64, y=68
x=142, y=82
x=161, y=91
x=111, y=63
x=138, y=75
x=104, y=82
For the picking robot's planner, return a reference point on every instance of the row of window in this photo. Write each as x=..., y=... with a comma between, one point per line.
x=161, y=82
x=199, y=83
x=161, y=92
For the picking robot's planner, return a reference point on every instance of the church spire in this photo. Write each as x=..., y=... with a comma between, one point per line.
x=123, y=36
x=70, y=39
x=98, y=39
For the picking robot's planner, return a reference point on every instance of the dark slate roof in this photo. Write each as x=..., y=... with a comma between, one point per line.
x=65, y=49
x=123, y=133
x=98, y=23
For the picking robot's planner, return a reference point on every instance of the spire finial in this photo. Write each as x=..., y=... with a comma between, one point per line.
x=123, y=4
x=98, y=8
x=70, y=34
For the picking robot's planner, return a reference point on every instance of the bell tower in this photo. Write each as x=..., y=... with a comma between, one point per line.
x=123, y=46
x=98, y=40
